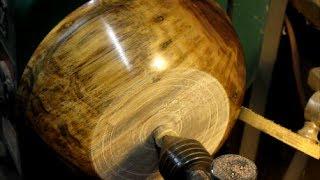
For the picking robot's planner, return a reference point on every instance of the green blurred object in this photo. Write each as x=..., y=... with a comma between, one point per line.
x=249, y=20
x=22, y=6
x=223, y=3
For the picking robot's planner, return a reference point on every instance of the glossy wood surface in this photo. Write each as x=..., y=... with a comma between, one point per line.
x=113, y=71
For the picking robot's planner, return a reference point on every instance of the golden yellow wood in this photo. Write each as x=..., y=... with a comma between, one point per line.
x=314, y=79
x=284, y=135
x=114, y=70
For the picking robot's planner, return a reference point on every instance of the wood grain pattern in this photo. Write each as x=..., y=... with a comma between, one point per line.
x=113, y=71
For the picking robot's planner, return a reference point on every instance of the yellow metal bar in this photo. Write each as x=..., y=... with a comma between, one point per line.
x=281, y=133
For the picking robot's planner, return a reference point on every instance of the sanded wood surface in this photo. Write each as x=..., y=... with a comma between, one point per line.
x=284, y=135
x=113, y=71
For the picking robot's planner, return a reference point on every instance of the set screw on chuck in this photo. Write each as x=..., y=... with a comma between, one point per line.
x=182, y=158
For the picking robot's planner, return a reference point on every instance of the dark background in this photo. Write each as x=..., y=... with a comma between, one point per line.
x=283, y=104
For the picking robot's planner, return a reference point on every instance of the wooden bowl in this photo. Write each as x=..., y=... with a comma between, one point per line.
x=114, y=70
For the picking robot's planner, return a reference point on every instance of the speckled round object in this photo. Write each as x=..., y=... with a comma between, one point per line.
x=232, y=166
x=113, y=71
